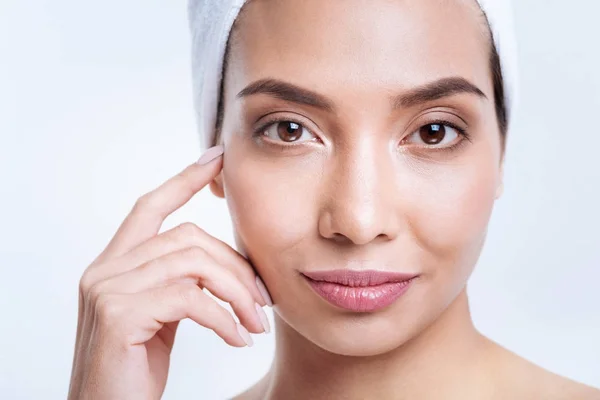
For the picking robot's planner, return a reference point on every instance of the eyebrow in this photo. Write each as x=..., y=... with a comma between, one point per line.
x=431, y=91
x=435, y=90
x=289, y=92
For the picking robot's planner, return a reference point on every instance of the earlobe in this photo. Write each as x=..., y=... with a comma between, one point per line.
x=499, y=190
x=216, y=186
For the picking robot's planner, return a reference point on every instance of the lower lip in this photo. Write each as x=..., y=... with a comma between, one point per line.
x=360, y=299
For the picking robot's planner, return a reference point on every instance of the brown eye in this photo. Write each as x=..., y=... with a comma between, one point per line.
x=289, y=131
x=432, y=133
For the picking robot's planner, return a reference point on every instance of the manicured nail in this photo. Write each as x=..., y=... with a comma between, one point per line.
x=210, y=155
x=263, y=318
x=244, y=335
x=263, y=291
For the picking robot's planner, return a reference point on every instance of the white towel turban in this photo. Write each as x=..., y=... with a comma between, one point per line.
x=211, y=21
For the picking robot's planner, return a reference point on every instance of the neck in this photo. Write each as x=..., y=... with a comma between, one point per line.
x=434, y=362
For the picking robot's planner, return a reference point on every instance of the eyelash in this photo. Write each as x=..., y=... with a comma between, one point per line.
x=461, y=132
x=261, y=129
x=438, y=121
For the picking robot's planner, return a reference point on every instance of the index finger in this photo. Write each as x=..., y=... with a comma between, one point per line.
x=150, y=210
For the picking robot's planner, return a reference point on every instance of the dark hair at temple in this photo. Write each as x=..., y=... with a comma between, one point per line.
x=220, y=107
x=498, y=83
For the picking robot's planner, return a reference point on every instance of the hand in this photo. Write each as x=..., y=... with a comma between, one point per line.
x=132, y=297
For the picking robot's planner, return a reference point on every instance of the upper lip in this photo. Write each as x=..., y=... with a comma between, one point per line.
x=348, y=277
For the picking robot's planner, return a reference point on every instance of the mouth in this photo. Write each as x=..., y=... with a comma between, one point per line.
x=359, y=291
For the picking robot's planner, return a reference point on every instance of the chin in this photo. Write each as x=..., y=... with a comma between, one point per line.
x=354, y=343
x=348, y=333
x=362, y=335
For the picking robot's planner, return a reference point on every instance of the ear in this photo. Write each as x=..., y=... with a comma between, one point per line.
x=499, y=190
x=216, y=186
x=500, y=187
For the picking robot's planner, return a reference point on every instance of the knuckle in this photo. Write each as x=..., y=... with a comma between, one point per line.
x=194, y=252
x=188, y=293
x=185, y=234
x=162, y=272
x=108, y=309
x=94, y=292
x=189, y=230
x=144, y=202
x=219, y=314
x=243, y=299
x=248, y=297
x=85, y=282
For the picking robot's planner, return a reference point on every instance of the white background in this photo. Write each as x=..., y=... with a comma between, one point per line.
x=95, y=110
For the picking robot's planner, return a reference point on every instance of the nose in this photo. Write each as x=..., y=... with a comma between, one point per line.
x=359, y=197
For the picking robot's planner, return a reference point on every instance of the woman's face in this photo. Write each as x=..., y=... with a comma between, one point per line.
x=371, y=171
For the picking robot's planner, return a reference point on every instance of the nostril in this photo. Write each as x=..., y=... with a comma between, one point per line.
x=341, y=238
x=338, y=237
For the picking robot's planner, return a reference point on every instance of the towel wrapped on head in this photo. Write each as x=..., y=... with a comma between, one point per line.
x=211, y=22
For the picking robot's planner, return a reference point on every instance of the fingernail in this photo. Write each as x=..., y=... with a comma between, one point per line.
x=210, y=155
x=263, y=291
x=263, y=318
x=244, y=335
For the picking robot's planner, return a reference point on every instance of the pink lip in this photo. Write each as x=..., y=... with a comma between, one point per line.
x=360, y=291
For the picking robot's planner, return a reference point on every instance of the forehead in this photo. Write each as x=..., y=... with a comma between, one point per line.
x=360, y=44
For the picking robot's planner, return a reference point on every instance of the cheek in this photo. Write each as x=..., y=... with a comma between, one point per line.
x=271, y=204
x=450, y=215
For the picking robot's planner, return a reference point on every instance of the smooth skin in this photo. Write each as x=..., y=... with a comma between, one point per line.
x=134, y=294
x=359, y=188
x=353, y=184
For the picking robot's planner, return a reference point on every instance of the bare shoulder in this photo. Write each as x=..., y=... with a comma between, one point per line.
x=561, y=388
x=520, y=378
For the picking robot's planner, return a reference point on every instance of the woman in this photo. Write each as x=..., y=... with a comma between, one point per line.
x=359, y=146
